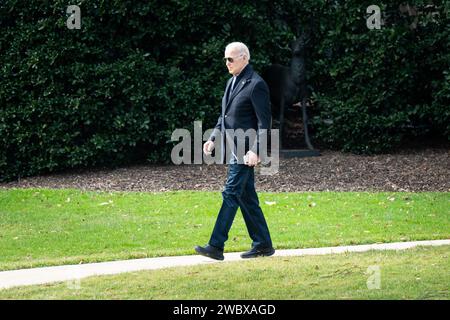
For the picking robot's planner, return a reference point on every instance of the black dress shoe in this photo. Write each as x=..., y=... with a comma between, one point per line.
x=210, y=252
x=258, y=252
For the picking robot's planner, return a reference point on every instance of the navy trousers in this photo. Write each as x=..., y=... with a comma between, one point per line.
x=240, y=192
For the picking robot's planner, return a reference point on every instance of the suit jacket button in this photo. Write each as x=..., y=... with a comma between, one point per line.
x=226, y=115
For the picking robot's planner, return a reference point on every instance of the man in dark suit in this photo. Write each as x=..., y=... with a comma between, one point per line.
x=245, y=106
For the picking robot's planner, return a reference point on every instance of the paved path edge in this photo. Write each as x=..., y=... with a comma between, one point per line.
x=73, y=273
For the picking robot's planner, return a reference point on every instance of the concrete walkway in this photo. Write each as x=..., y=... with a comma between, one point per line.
x=73, y=273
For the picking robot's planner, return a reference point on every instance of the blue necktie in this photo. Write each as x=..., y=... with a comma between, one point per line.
x=230, y=90
x=232, y=84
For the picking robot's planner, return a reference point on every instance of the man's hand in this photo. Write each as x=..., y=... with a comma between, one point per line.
x=252, y=159
x=208, y=147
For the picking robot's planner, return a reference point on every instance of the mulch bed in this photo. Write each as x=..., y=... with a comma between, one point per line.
x=414, y=170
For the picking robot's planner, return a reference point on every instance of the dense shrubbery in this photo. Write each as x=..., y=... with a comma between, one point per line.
x=384, y=86
x=114, y=91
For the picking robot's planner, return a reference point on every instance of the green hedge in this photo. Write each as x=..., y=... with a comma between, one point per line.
x=384, y=87
x=113, y=92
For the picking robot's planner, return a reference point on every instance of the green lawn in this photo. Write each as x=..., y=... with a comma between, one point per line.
x=51, y=227
x=420, y=273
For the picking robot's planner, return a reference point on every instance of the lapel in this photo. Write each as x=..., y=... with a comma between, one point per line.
x=246, y=78
x=226, y=96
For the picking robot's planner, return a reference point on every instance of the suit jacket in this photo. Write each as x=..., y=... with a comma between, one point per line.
x=247, y=107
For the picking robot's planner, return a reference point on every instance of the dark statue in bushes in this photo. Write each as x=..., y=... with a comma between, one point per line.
x=288, y=85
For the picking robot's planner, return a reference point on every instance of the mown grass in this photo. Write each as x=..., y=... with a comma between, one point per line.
x=420, y=273
x=41, y=227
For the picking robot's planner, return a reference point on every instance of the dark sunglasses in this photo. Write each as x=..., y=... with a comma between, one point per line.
x=230, y=60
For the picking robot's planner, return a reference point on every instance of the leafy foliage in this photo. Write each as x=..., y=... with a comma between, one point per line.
x=113, y=91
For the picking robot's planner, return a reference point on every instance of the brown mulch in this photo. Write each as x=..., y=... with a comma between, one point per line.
x=415, y=170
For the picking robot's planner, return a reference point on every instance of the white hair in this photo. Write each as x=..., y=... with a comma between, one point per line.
x=241, y=47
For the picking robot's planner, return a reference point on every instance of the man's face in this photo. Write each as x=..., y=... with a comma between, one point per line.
x=239, y=61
